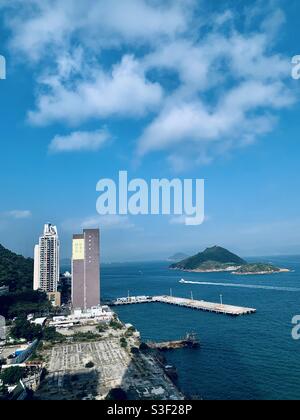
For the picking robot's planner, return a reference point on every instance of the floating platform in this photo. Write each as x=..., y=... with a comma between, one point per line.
x=199, y=305
x=189, y=342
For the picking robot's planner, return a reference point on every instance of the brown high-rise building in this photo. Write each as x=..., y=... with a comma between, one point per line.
x=86, y=269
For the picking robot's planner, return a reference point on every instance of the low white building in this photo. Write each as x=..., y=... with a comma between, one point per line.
x=80, y=316
x=39, y=321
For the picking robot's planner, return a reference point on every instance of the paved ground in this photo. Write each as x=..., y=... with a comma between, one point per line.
x=139, y=375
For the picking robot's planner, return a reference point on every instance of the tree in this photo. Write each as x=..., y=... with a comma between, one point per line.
x=20, y=304
x=52, y=336
x=117, y=394
x=123, y=342
x=115, y=324
x=12, y=376
x=15, y=270
x=89, y=365
x=24, y=329
x=3, y=393
x=102, y=328
x=144, y=347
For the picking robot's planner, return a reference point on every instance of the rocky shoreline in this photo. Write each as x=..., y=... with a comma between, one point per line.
x=262, y=273
x=234, y=271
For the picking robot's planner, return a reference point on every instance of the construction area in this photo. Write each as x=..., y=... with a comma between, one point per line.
x=90, y=370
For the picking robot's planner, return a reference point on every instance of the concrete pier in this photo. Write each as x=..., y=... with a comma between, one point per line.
x=205, y=306
x=199, y=305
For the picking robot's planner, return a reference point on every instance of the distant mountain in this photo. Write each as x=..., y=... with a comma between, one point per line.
x=212, y=259
x=178, y=257
x=15, y=271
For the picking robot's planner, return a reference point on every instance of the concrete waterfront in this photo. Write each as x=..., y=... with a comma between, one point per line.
x=200, y=305
x=90, y=370
x=205, y=306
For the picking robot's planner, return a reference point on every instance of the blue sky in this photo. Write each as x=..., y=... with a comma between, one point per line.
x=179, y=88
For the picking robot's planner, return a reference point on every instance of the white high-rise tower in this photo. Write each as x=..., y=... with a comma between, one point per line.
x=46, y=261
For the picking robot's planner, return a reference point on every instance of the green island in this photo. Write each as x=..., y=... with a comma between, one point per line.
x=259, y=268
x=218, y=259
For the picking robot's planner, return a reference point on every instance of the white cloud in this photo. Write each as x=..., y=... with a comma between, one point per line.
x=229, y=84
x=17, y=214
x=181, y=220
x=248, y=85
x=194, y=124
x=80, y=141
x=125, y=91
x=40, y=28
x=109, y=222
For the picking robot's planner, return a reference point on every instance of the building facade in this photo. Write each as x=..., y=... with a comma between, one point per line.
x=46, y=261
x=86, y=269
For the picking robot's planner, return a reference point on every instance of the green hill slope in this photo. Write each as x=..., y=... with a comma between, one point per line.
x=15, y=271
x=215, y=258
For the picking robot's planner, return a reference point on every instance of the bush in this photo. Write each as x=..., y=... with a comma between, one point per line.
x=89, y=336
x=130, y=332
x=117, y=394
x=20, y=304
x=144, y=347
x=52, y=336
x=24, y=329
x=3, y=393
x=123, y=343
x=115, y=325
x=102, y=328
x=89, y=365
x=12, y=376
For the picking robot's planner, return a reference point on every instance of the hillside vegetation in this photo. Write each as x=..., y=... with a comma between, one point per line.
x=15, y=271
x=212, y=258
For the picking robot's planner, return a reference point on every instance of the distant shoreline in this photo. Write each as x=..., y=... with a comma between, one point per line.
x=216, y=270
x=262, y=273
x=234, y=271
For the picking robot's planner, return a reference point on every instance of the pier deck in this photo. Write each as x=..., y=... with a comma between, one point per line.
x=205, y=306
x=199, y=305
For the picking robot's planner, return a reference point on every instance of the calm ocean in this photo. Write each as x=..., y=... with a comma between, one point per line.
x=251, y=357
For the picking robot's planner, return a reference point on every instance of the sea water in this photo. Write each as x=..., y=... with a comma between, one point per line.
x=249, y=357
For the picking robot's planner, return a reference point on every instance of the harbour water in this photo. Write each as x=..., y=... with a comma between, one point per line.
x=249, y=357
